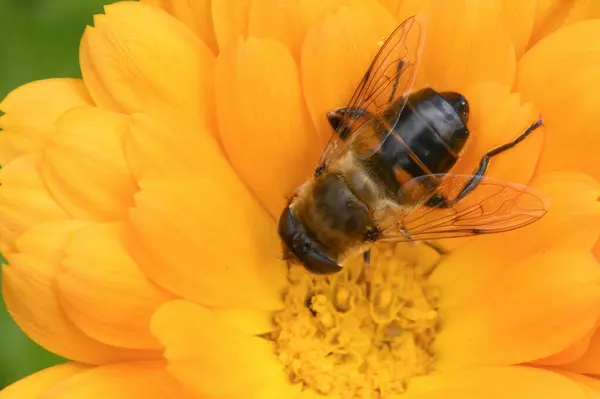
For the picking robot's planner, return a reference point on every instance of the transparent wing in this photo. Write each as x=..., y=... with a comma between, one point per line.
x=432, y=208
x=384, y=87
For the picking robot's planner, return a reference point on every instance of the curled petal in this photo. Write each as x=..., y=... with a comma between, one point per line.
x=24, y=199
x=29, y=291
x=103, y=291
x=195, y=14
x=497, y=117
x=130, y=68
x=34, y=385
x=561, y=76
x=31, y=110
x=148, y=380
x=538, y=307
x=553, y=15
x=217, y=245
x=496, y=383
x=264, y=125
x=199, y=344
x=572, y=221
x=85, y=167
x=335, y=55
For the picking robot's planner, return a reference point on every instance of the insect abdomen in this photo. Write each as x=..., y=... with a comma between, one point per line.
x=427, y=139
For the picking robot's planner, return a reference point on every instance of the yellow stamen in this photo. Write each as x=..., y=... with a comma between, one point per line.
x=364, y=332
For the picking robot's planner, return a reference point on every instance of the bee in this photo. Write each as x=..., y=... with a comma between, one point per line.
x=383, y=176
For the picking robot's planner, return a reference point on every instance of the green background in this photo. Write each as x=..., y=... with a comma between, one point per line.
x=40, y=39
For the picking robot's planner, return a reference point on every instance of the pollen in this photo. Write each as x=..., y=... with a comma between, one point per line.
x=365, y=331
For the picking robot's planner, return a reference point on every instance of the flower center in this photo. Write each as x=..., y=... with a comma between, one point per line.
x=364, y=332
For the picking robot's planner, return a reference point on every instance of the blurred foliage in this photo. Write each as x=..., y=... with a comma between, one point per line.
x=40, y=39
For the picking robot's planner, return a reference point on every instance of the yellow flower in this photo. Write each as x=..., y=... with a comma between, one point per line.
x=138, y=208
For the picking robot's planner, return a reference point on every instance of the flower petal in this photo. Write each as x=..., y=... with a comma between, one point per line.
x=561, y=75
x=589, y=363
x=32, y=386
x=520, y=18
x=570, y=354
x=335, y=55
x=467, y=42
x=230, y=19
x=199, y=344
x=592, y=385
x=538, y=307
x=31, y=111
x=495, y=383
x=24, y=199
x=28, y=288
x=195, y=14
x=85, y=167
x=103, y=291
x=130, y=68
x=247, y=321
x=497, y=117
x=287, y=21
x=148, y=380
x=573, y=221
x=263, y=122
x=550, y=14
x=217, y=246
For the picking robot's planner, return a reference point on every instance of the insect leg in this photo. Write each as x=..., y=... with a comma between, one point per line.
x=367, y=257
x=336, y=116
x=483, y=164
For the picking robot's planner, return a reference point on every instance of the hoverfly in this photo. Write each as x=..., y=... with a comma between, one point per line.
x=383, y=176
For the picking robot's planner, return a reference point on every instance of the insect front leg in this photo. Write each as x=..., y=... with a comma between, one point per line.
x=483, y=163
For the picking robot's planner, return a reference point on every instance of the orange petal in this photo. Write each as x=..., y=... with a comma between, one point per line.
x=573, y=221
x=31, y=111
x=538, y=307
x=571, y=354
x=467, y=42
x=230, y=19
x=130, y=68
x=195, y=14
x=85, y=167
x=335, y=56
x=217, y=246
x=199, y=344
x=24, y=199
x=28, y=288
x=247, y=321
x=495, y=383
x=263, y=122
x=32, y=386
x=498, y=117
x=589, y=363
x=591, y=385
x=519, y=17
x=288, y=21
x=550, y=14
x=151, y=147
x=148, y=380
x=553, y=15
x=560, y=76
x=103, y=291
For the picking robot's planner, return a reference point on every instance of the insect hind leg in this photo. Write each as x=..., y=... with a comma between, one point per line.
x=484, y=162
